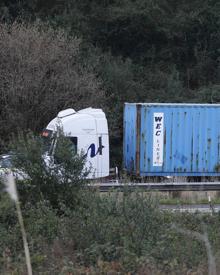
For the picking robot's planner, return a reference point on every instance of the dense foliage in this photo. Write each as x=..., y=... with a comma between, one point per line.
x=112, y=233
x=74, y=229
x=40, y=75
x=43, y=177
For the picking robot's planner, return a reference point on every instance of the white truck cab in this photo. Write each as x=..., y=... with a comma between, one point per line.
x=88, y=131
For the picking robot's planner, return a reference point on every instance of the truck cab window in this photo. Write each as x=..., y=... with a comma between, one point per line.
x=67, y=142
x=48, y=140
x=73, y=144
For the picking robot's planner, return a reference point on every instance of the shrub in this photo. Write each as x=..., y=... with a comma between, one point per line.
x=45, y=180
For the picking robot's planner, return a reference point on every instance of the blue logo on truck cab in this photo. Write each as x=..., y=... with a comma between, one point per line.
x=93, y=151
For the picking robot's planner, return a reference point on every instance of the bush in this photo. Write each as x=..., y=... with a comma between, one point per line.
x=44, y=180
x=120, y=232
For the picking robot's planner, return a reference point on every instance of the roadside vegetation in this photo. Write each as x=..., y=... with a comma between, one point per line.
x=73, y=229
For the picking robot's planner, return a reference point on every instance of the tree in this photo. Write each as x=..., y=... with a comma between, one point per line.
x=40, y=74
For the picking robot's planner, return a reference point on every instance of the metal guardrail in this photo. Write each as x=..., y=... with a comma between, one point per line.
x=149, y=186
x=192, y=208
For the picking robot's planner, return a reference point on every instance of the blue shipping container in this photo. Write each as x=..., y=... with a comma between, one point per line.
x=172, y=139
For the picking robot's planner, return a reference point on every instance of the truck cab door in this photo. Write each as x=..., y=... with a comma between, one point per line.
x=103, y=156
